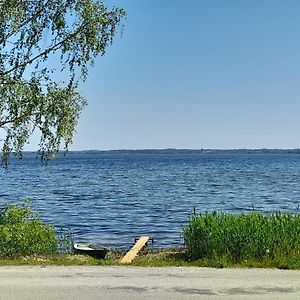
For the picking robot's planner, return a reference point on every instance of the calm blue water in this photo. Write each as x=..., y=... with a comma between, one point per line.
x=110, y=199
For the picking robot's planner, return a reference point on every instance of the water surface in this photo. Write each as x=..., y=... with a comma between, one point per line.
x=111, y=198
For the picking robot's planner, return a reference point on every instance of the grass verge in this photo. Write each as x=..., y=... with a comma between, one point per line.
x=153, y=258
x=181, y=257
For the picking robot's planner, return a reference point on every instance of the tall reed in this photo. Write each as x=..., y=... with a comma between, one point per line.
x=240, y=237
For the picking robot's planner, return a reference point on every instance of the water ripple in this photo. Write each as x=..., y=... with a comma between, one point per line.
x=111, y=199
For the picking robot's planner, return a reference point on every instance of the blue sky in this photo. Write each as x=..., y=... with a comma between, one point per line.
x=197, y=74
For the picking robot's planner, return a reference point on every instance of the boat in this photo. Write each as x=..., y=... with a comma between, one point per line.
x=91, y=250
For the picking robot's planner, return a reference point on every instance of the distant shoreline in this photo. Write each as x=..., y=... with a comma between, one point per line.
x=185, y=151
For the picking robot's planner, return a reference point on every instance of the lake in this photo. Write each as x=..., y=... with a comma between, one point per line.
x=110, y=198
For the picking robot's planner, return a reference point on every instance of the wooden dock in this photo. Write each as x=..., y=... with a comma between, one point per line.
x=132, y=253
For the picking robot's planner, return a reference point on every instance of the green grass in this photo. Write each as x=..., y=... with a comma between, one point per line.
x=153, y=258
x=57, y=260
x=269, y=239
x=180, y=257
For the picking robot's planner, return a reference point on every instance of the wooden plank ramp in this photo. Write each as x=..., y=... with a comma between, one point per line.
x=132, y=253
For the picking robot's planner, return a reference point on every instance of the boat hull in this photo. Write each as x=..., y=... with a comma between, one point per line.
x=91, y=250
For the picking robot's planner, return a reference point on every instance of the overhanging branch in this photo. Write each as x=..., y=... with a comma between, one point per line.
x=45, y=52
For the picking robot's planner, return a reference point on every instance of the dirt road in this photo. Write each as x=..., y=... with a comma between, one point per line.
x=24, y=282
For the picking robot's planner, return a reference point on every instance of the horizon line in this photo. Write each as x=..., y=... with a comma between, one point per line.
x=176, y=149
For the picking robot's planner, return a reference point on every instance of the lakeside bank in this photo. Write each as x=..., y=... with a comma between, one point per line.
x=211, y=239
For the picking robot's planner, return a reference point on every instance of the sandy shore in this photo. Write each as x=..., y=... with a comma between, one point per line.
x=26, y=282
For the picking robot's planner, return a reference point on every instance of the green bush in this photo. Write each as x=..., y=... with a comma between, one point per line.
x=23, y=233
x=240, y=237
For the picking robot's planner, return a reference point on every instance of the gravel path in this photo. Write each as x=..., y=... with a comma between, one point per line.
x=32, y=282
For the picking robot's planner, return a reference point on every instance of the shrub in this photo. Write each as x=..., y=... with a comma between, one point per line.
x=23, y=233
x=240, y=237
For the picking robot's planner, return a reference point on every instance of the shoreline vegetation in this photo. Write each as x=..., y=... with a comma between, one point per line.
x=212, y=239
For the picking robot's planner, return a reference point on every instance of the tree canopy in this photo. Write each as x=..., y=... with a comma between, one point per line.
x=72, y=33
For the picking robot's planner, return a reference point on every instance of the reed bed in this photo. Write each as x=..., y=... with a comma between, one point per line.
x=253, y=236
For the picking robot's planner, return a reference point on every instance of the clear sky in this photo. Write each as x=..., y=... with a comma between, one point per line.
x=197, y=74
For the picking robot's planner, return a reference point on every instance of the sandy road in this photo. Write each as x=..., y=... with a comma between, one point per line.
x=25, y=282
